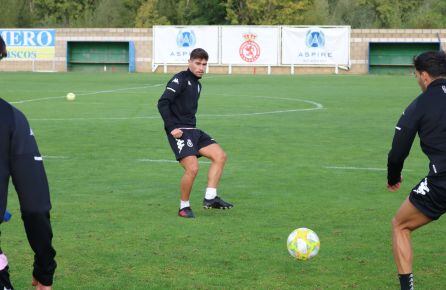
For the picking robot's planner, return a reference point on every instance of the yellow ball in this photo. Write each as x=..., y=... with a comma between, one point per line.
x=303, y=244
x=71, y=97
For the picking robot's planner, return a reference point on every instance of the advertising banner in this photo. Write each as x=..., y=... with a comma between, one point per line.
x=30, y=44
x=316, y=45
x=173, y=44
x=250, y=45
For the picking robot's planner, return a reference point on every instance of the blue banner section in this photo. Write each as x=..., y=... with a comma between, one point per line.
x=29, y=37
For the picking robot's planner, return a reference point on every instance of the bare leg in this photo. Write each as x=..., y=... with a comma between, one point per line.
x=190, y=165
x=218, y=159
x=407, y=219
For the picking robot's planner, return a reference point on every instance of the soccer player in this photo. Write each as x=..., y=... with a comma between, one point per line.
x=21, y=160
x=426, y=115
x=178, y=106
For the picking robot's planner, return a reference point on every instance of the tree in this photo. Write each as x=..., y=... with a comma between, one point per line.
x=267, y=12
x=113, y=13
x=148, y=15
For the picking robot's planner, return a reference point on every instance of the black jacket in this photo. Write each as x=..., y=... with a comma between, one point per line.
x=426, y=115
x=21, y=160
x=179, y=102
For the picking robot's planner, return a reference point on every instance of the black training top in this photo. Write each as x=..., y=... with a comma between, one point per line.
x=20, y=159
x=426, y=115
x=179, y=102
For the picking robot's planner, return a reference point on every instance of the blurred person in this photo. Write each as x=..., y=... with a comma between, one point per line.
x=21, y=160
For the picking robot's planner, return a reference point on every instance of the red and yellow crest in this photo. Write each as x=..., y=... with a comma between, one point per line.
x=249, y=50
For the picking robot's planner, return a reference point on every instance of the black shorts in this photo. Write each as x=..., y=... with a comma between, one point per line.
x=190, y=143
x=429, y=196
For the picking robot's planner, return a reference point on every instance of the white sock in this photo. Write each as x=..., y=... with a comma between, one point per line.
x=211, y=193
x=184, y=204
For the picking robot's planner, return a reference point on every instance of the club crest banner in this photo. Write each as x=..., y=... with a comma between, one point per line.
x=316, y=45
x=173, y=44
x=249, y=45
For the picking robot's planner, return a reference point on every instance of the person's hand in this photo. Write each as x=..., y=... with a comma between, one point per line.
x=176, y=133
x=394, y=187
x=39, y=286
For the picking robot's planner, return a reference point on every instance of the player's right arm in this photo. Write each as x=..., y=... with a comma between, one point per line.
x=30, y=181
x=173, y=89
x=405, y=132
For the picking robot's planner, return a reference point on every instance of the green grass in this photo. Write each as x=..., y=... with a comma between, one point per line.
x=114, y=216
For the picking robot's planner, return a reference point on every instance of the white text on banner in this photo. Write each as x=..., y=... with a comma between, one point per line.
x=30, y=43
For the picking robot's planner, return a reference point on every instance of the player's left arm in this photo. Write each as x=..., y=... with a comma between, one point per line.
x=30, y=181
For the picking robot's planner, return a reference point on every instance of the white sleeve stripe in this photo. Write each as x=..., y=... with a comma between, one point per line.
x=398, y=128
x=171, y=89
x=38, y=158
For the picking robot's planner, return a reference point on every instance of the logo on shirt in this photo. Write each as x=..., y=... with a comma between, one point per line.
x=180, y=145
x=189, y=143
x=175, y=80
x=422, y=188
x=31, y=133
x=198, y=88
x=188, y=82
x=444, y=89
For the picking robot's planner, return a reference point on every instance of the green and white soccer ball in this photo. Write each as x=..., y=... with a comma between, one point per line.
x=303, y=244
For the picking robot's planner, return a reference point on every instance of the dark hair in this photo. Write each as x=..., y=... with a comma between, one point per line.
x=199, y=53
x=3, y=52
x=432, y=62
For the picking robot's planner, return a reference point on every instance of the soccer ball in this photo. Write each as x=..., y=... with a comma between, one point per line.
x=71, y=96
x=303, y=244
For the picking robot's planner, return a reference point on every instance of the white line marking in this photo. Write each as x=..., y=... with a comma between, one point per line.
x=355, y=168
x=359, y=168
x=87, y=94
x=96, y=119
x=165, y=161
x=317, y=106
x=54, y=157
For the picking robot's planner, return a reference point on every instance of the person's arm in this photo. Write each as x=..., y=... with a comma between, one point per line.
x=405, y=132
x=30, y=181
x=172, y=91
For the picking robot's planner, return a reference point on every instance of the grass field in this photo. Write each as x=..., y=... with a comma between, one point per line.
x=290, y=143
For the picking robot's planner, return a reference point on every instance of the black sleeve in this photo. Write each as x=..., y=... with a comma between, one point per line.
x=30, y=181
x=405, y=132
x=173, y=89
x=27, y=170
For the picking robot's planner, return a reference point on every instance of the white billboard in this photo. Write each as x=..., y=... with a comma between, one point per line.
x=316, y=45
x=250, y=45
x=173, y=44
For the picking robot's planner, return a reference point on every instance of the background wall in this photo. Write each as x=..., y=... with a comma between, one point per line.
x=142, y=38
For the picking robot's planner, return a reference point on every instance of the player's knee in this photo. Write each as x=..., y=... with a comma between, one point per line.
x=192, y=170
x=221, y=157
x=397, y=225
